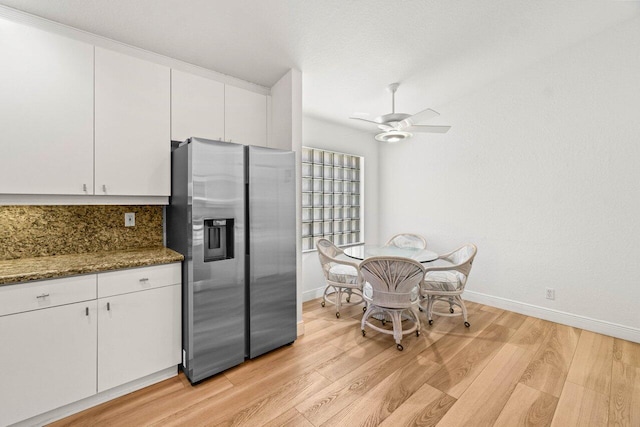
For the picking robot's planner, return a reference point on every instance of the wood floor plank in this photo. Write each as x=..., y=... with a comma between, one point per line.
x=451, y=341
x=627, y=352
x=460, y=371
x=325, y=404
x=550, y=365
x=425, y=407
x=495, y=310
x=624, y=403
x=246, y=407
x=592, y=362
x=353, y=338
x=482, y=402
x=291, y=418
x=580, y=406
x=298, y=357
x=510, y=319
x=344, y=362
x=527, y=407
x=531, y=334
x=149, y=404
x=381, y=400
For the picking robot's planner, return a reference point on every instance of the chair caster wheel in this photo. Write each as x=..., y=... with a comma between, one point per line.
x=364, y=334
x=322, y=304
x=400, y=347
x=451, y=310
x=384, y=322
x=417, y=333
x=431, y=321
x=421, y=309
x=348, y=299
x=338, y=314
x=467, y=324
x=364, y=309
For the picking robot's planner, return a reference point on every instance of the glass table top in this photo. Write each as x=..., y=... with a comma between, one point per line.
x=367, y=251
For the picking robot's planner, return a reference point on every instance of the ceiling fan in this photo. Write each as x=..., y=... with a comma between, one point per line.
x=400, y=126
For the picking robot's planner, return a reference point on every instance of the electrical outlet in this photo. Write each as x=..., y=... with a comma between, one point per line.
x=130, y=219
x=551, y=293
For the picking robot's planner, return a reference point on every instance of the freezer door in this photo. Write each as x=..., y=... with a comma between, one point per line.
x=217, y=187
x=272, y=250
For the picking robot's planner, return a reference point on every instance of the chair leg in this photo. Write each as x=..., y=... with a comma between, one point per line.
x=365, y=316
x=430, y=309
x=464, y=311
x=396, y=318
x=338, y=301
x=416, y=314
x=324, y=296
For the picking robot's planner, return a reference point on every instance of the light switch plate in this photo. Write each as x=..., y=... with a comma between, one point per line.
x=130, y=219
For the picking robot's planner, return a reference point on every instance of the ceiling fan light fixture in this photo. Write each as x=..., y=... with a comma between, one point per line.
x=393, y=136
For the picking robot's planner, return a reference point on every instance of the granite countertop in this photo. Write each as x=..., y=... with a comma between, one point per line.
x=57, y=266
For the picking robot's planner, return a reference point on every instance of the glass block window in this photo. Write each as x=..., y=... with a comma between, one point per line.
x=331, y=197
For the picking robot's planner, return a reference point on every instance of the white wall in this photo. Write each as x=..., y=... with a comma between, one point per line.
x=329, y=136
x=540, y=170
x=286, y=134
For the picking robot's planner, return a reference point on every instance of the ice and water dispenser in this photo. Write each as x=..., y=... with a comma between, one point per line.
x=218, y=239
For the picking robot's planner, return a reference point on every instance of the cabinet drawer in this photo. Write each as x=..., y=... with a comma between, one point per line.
x=138, y=279
x=46, y=293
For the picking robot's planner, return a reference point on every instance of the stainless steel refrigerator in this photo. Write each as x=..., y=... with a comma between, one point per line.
x=232, y=215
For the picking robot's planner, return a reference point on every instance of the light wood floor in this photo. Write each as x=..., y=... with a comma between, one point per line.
x=506, y=370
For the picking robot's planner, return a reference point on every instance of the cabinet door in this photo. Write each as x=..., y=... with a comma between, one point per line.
x=139, y=334
x=132, y=137
x=197, y=107
x=46, y=112
x=245, y=116
x=48, y=358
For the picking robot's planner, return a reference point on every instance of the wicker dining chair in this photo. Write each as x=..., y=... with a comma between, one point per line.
x=341, y=276
x=446, y=283
x=407, y=240
x=392, y=290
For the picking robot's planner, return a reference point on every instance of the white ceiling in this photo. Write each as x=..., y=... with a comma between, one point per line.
x=348, y=50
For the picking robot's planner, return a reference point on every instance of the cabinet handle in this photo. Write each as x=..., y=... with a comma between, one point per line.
x=86, y=311
x=104, y=188
x=42, y=296
x=144, y=279
x=84, y=187
x=108, y=306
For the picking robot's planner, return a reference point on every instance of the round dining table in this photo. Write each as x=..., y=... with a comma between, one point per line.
x=362, y=252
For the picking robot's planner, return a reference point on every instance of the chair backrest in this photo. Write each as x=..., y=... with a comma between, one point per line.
x=462, y=260
x=394, y=280
x=328, y=253
x=406, y=240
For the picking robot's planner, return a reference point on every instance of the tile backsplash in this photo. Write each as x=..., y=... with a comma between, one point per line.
x=34, y=231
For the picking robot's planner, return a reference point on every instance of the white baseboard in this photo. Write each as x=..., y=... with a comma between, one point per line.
x=575, y=320
x=300, y=330
x=96, y=399
x=313, y=293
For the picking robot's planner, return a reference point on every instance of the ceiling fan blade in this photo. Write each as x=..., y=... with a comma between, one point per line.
x=419, y=117
x=386, y=128
x=364, y=118
x=428, y=129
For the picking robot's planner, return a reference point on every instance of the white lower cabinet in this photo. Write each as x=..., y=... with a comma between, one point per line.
x=48, y=359
x=60, y=343
x=139, y=334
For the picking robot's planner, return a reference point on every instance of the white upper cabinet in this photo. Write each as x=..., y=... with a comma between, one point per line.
x=197, y=107
x=245, y=116
x=46, y=112
x=132, y=126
